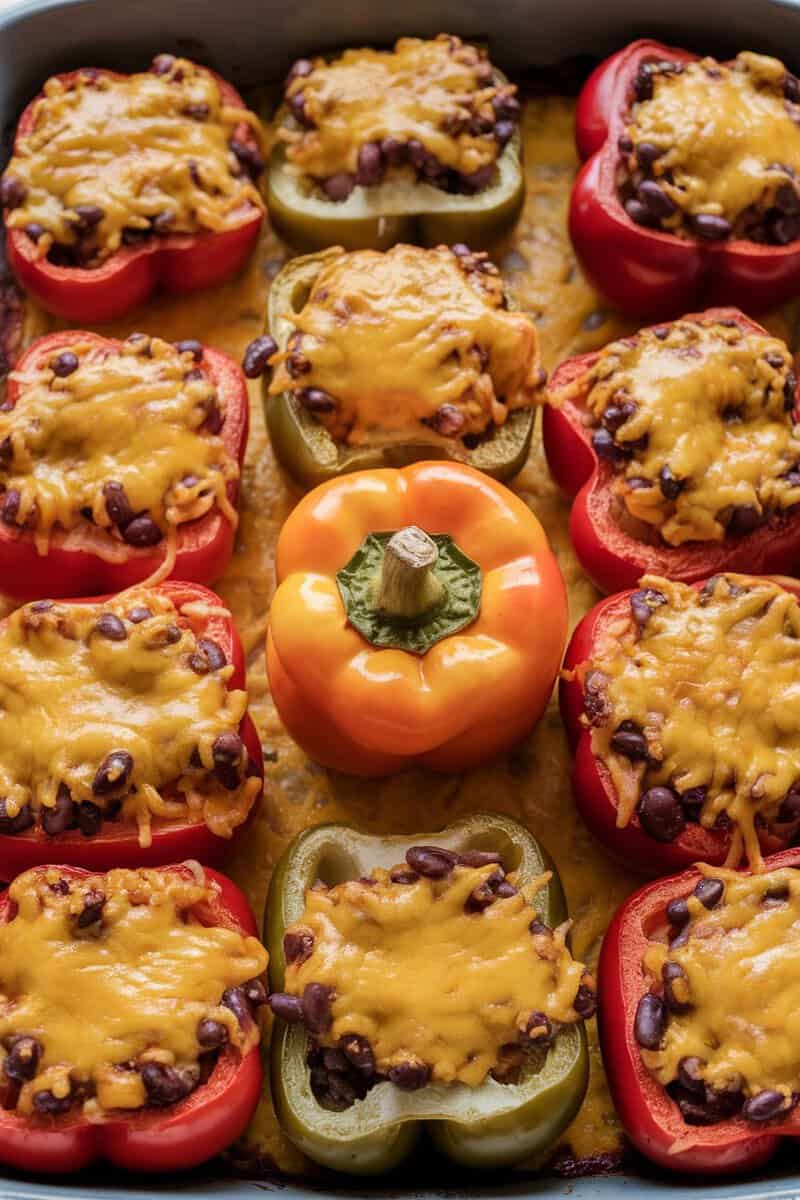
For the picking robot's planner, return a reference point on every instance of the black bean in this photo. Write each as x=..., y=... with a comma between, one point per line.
x=765, y=1105
x=190, y=346
x=162, y=64
x=505, y=889
x=113, y=774
x=317, y=1013
x=227, y=749
x=791, y=87
x=461, y=250
x=690, y=1073
x=630, y=742
x=34, y=230
x=410, y=1076
x=539, y=1028
x=162, y=223
x=133, y=237
x=655, y=199
x=171, y=635
x=288, y=1008
x=167, y=1085
x=358, y=1052
x=315, y=400
x=595, y=697
x=255, y=993
x=90, y=818
x=434, y=862
x=11, y=506
x=506, y=106
x=369, y=169
x=448, y=420
x=48, y=1105
x=678, y=913
x=647, y=153
x=784, y=229
x=650, y=1021
x=403, y=875
x=605, y=447
x=339, y=186
x=64, y=364
x=89, y=215
x=22, y=820
x=504, y=131
x=298, y=945
x=208, y=656
x=710, y=892
x=394, y=152
x=639, y=213
x=480, y=898
x=22, y=1060
x=643, y=602
x=710, y=227
x=300, y=69
x=693, y=800
x=139, y=613
x=624, y=144
x=671, y=486
x=142, y=532
x=62, y=815
x=585, y=1002
x=661, y=814
x=479, y=858
x=743, y=520
x=6, y=452
x=334, y=1060
x=235, y=999
x=12, y=192
x=118, y=506
x=790, y=805
x=787, y=199
x=257, y=356
x=476, y=181
x=92, y=911
x=211, y=1034
x=248, y=156
x=537, y=927
x=110, y=626
x=790, y=392
x=643, y=83
x=615, y=416
x=676, y=987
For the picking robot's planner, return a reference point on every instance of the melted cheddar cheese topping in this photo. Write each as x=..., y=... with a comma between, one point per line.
x=410, y=341
x=701, y=419
x=438, y=93
x=713, y=680
x=105, y=997
x=724, y=137
x=741, y=963
x=112, y=159
x=84, y=683
x=424, y=979
x=136, y=417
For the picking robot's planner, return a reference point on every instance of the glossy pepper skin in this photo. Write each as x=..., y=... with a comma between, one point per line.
x=611, y=556
x=181, y=263
x=117, y=845
x=303, y=445
x=153, y=1139
x=651, y=1118
x=592, y=785
x=645, y=272
x=417, y=213
x=71, y=569
x=373, y=712
x=489, y=1126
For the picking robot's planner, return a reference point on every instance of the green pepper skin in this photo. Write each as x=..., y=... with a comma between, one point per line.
x=303, y=445
x=490, y=1126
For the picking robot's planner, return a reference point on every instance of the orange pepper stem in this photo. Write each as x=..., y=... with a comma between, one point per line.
x=408, y=587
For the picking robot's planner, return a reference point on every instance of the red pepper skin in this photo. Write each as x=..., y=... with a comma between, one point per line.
x=592, y=785
x=186, y=1134
x=644, y=272
x=183, y=263
x=117, y=845
x=651, y=1119
x=204, y=546
x=613, y=558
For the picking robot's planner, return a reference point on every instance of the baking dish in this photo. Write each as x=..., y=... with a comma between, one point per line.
x=251, y=41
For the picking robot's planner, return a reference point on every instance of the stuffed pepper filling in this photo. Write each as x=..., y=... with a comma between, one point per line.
x=115, y=161
x=410, y=342
x=114, y=995
x=118, y=711
x=691, y=701
x=716, y=1027
x=712, y=150
x=433, y=112
x=697, y=420
x=432, y=972
x=114, y=447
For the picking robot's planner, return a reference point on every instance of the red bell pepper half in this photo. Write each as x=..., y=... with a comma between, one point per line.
x=117, y=845
x=592, y=785
x=651, y=1118
x=181, y=263
x=646, y=272
x=72, y=569
x=151, y=1139
x=615, y=558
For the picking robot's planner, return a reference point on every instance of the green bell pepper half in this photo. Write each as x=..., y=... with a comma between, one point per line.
x=493, y=1125
x=307, y=451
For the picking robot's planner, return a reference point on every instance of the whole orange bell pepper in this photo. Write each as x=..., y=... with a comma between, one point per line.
x=420, y=619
